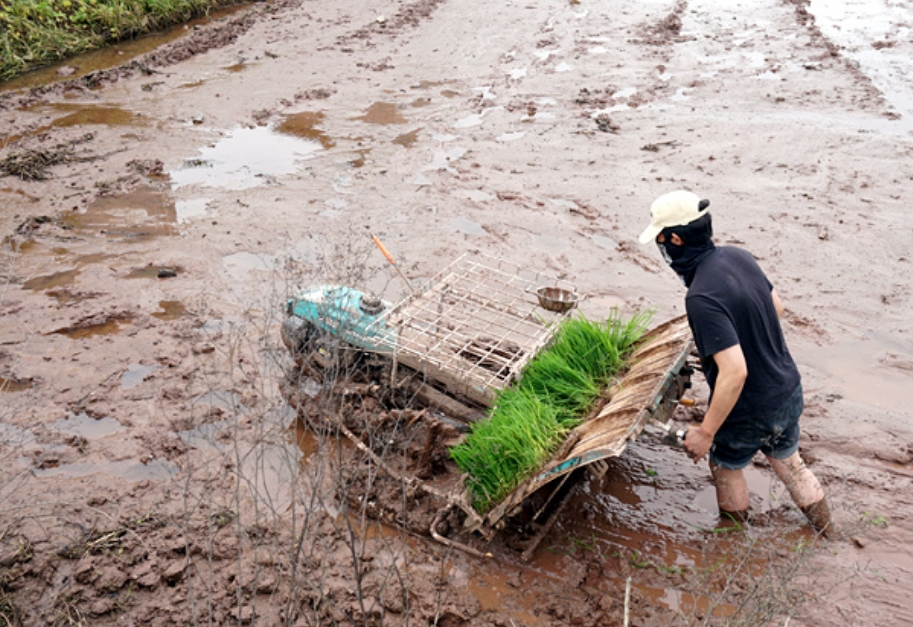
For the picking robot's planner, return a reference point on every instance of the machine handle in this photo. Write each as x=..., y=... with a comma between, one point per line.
x=389, y=257
x=384, y=250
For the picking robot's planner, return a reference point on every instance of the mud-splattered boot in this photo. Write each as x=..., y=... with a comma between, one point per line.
x=819, y=515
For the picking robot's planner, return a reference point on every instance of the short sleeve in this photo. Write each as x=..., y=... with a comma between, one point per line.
x=711, y=325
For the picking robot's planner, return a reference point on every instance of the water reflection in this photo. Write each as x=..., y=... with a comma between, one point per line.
x=245, y=158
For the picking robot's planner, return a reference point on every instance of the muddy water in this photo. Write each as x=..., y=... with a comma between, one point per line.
x=141, y=214
x=15, y=385
x=305, y=125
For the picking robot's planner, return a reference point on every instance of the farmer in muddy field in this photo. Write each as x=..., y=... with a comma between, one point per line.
x=755, y=387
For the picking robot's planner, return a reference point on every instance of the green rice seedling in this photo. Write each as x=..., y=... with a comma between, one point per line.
x=502, y=449
x=556, y=391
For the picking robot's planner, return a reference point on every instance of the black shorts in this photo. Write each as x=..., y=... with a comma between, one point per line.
x=775, y=433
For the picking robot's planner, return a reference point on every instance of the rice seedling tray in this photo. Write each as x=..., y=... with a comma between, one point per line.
x=655, y=378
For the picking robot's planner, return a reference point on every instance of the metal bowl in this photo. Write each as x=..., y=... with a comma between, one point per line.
x=556, y=299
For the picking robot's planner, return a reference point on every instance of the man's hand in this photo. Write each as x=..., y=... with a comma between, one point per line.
x=729, y=383
x=697, y=443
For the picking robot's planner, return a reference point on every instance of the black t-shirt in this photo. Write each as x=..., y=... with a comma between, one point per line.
x=729, y=303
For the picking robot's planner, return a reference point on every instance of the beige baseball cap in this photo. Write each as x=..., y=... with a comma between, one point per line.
x=673, y=209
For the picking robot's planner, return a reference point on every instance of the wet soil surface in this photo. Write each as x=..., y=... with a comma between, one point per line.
x=157, y=212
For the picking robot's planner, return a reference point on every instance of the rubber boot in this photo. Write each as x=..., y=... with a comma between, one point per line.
x=819, y=515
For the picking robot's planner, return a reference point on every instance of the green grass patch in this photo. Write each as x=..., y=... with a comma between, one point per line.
x=37, y=32
x=555, y=392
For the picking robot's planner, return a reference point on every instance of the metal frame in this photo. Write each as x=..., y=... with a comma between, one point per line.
x=476, y=326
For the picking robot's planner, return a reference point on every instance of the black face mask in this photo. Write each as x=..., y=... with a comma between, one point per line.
x=685, y=259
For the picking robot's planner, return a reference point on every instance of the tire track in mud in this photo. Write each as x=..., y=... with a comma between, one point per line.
x=831, y=51
x=408, y=16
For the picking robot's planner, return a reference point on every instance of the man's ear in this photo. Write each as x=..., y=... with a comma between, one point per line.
x=675, y=239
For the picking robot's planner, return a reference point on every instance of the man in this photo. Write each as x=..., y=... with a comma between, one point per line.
x=755, y=387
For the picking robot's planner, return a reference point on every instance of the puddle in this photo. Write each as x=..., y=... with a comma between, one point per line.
x=81, y=115
x=21, y=246
x=475, y=195
x=130, y=469
x=140, y=214
x=304, y=438
x=550, y=243
x=510, y=137
x=605, y=242
x=19, y=438
x=155, y=272
x=135, y=374
x=383, y=113
x=304, y=125
x=470, y=120
x=245, y=262
x=237, y=67
x=15, y=385
x=442, y=160
x=687, y=604
x=464, y=225
x=407, y=140
x=64, y=297
x=427, y=85
x=170, y=310
x=111, y=326
x=223, y=399
x=493, y=593
x=85, y=426
x=111, y=56
x=50, y=281
x=19, y=192
x=245, y=158
x=359, y=161
x=185, y=210
x=203, y=437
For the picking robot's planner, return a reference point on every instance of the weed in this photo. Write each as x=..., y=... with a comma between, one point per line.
x=875, y=520
x=636, y=562
x=68, y=612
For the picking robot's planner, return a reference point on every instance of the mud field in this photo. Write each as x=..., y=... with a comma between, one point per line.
x=161, y=200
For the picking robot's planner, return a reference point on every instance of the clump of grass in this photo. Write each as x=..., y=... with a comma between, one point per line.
x=34, y=33
x=530, y=419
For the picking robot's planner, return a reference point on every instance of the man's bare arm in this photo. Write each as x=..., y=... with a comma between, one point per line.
x=729, y=382
x=778, y=304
